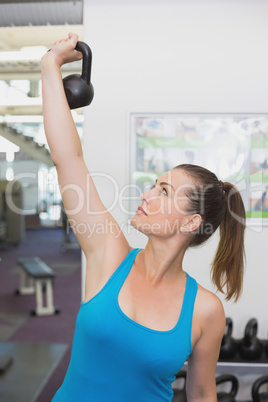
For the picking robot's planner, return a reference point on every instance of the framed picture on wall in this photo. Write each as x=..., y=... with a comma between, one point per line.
x=233, y=146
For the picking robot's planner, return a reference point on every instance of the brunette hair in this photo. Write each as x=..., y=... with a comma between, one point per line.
x=220, y=205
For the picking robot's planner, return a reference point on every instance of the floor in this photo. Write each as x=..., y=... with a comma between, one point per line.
x=31, y=367
x=38, y=348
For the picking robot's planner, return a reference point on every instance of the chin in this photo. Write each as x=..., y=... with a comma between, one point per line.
x=134, y=222
x=141, y=225
x=162, y=229
x=137, y=223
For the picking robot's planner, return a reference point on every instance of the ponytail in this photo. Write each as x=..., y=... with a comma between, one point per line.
x=228, y=265
x=220, y=205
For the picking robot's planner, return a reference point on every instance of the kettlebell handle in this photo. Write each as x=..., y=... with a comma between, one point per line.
x=251, y=330
x=86, y=62
x=256, y=395
x=229, y=378
x=228, y=327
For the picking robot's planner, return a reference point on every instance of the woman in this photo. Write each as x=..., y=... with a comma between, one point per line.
x=142, y=315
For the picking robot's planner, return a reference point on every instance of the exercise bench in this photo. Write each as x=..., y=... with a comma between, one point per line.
x=35, y=276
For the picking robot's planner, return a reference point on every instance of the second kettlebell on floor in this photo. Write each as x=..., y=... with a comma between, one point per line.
x=257, y=394
x=223, y=396
x=250, y=347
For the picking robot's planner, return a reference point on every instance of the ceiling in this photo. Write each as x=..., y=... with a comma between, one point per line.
x=37, y=23
x=36, y=13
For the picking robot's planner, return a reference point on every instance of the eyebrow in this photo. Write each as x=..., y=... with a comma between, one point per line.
x=165, y=184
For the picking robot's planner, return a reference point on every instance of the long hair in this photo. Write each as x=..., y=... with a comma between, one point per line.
x=220, y=205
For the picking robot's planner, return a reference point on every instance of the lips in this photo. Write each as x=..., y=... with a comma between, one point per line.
x=142, y=210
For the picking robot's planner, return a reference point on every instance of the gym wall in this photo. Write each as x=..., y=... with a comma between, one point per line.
x=182, y=56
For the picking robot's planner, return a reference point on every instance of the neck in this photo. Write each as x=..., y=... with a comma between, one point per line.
x=162, y=261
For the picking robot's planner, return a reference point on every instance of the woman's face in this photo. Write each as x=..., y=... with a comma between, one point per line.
x=163, y=208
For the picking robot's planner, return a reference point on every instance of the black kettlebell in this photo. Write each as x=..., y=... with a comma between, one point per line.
x=266, y=347
x=78, y=88
x=258, y=396
x=223, y=396
x=228, y=345
x=180, y=393
x=251, y=347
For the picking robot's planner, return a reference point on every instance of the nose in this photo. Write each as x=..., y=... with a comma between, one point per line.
x=147, y=195
x=143, y=197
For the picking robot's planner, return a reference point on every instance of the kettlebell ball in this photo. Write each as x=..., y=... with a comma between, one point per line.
x=78, y=88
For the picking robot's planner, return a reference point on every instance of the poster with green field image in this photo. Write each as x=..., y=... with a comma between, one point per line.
x=233, y=146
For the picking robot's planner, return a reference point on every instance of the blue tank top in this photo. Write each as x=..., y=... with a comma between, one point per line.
x=116, y=359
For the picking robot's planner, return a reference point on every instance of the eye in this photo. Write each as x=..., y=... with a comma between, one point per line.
x=164, y=191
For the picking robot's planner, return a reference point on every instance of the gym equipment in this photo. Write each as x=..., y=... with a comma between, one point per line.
x=12, y=223
x=266, y=347
x=228, y=345
x=69, y=241
x=258, y=396
x=5, y=360
x=251, y=347
x=78, y=88
x=223, y=396
x=34, y=275
x=180, y=393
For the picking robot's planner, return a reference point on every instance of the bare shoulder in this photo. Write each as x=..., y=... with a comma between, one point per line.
x=209, y=304
x=209, y=316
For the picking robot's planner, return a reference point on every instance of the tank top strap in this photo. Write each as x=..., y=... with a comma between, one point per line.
x=188, y=305
x=190, y=295
x=126, y=265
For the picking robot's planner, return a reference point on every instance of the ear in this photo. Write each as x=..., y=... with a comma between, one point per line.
x=191, y=223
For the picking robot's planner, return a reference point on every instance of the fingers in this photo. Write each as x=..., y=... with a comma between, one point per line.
x=71, y=37
x=63, y=50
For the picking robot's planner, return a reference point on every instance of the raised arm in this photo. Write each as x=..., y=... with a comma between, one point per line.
x=85, y=211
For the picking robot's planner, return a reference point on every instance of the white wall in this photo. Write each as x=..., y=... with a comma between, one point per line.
x=182, y=56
